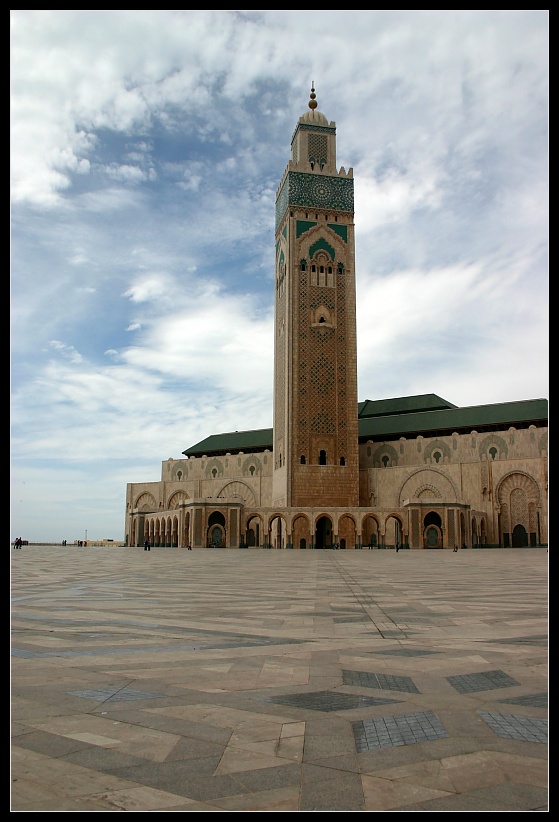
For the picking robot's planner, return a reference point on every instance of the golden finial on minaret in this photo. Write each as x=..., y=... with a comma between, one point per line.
x=312, y=102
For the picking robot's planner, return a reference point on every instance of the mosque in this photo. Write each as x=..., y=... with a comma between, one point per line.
x=410, y=472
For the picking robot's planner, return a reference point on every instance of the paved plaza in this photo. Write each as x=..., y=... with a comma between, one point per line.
x=263, y=680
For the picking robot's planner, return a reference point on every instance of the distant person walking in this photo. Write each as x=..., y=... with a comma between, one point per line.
x=147, y=546
x=455, y=549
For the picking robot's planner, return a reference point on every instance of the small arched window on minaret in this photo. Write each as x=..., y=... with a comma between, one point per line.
x=342, y=460
x=303, y=459
x=322, y=457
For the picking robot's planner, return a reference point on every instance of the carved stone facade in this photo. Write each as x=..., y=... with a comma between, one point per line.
x=474, y=479
x=450, y=492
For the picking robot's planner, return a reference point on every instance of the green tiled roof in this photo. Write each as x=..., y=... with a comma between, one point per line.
x=233, y=442
x=426, y=414
x=401, y=405
x=443, y=422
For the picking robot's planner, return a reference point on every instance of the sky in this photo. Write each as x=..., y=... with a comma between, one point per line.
x=146, y=152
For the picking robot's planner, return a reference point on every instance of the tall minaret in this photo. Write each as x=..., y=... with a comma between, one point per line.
x=315, y=364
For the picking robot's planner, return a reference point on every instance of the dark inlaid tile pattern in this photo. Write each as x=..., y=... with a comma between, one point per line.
x=151, y=649
x=384, y=682
x=524, y=728
x=327, y=701
x=208, y=597
x=392, y=731
x=483, y=681
x=225, y=637
x=352, y=619
x=402, y=619
x=110, y=695
x=539, y=641
x=411, y=652
x=532, y=700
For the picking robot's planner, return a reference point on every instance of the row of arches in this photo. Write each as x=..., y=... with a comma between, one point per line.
x=419, y=523
x=344, y=532
x=167, y=531
x=278, y=531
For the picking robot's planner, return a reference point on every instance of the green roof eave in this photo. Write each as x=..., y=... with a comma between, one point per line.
x=402, y=405
x=233, y=442
x=444, y=420
x=473, y=418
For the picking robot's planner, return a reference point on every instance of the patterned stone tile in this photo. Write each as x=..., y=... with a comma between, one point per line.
x=532, y=700
x=483, y=681
x=391, y=731
x=386, y=682
x=508, y=726
x=327, y=701
x=109, y=695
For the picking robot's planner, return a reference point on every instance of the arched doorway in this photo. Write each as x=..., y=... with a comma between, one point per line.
x=253, y=532
x=347, y=532
x=278, y=532
x=393, y=533
x=301, y=532
x=519, y=537
x=216, y=530
x=370, y=532
x=519, y=503
x=432, y=531
x=323, y=533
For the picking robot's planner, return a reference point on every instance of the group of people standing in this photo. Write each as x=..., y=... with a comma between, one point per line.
x=18, y=542
x=147, y=546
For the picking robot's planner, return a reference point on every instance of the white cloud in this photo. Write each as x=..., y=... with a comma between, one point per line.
x=67, y=351
x=146, y=150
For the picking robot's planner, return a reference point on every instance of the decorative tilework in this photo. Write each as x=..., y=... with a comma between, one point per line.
x=540, y=641
x=392, y=731
x=110, y=695
x=315, y=191
x=532, y=700
x=523, y=728
x=327, y=701
x=385, y=682
x=484, y=681
x=410, y=652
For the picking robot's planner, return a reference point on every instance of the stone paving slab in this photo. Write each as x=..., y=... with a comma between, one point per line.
x=278, y=680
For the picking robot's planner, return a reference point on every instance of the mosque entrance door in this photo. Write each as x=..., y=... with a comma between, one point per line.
x=323, y=534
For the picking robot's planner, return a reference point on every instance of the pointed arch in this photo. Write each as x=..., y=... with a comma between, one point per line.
x=176, y=499
x=240, y=490
x=146, y=502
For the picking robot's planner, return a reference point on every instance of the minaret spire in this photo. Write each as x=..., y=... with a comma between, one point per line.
x=316, y=457
x=312, y=102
